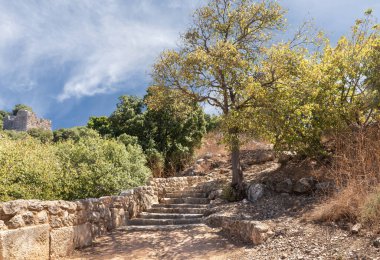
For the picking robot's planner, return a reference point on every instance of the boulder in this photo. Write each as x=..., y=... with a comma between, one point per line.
x=25, y=243
x=356, y=228
x=255, y=192
x=61, y=242
x=376, y=242
x=286, y=186
x=304, y=185
x=215, y=194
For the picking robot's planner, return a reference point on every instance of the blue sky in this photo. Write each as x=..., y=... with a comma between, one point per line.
x=72, y=59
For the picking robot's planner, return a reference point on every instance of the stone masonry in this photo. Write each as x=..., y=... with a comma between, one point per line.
x=25, y=120
x=34, y=229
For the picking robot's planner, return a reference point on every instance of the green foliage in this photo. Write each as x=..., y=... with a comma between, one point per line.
x=14, y=135
x=86, y=167
x=75, y=134
x=101, y=124
x=2, y=115
x=44, y=136
x=128, y=117
x=168, y=133
x=21, y=107
x=94, y=167
x=230, y=194
x=29, y=169
x=322, y=92
x=213, y=122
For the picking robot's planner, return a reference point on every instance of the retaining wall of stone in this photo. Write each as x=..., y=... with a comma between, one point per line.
x=34, y=229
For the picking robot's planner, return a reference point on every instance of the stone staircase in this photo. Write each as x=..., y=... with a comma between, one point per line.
x=179, y=208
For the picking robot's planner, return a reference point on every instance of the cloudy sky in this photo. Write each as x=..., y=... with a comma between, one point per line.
x=72, y=59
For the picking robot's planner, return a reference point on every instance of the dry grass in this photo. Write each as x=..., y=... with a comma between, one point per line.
x=356, y=173
x=212, y=143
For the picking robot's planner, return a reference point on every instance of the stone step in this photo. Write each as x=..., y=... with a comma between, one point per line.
x=149, y=215
x=188, y=200
x=203, y=206
x=186, y=189
x=182, y=194
x=178, y=210
x=141, y=221
x=160, y=228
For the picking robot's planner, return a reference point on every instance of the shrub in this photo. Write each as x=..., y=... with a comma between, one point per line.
x=75, y=134
x=29, y=169
x=230, y=194
x=94, y=167
x=89, y=167
x=44, y=136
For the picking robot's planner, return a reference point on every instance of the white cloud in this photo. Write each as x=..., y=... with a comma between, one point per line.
x=97, y=44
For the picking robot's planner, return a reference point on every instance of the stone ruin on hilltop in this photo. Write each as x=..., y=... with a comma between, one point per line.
x=25, y=120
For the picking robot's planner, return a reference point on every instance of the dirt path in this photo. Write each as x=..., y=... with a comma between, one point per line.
x=196, y=243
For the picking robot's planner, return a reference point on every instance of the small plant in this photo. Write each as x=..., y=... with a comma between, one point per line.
x=230, y=194
x=370, y=211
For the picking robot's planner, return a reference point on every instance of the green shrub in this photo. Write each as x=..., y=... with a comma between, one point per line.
x=94, y=167
x=89, y=167
x=75, y=134
x=44, y=136
x=230, y=194
x=28, y=169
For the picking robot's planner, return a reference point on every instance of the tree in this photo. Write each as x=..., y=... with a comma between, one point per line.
x=101, y=124
x=2, y=115
x=322, y=92
x=128, y=117
x=21, y=107
x=218, y=59
x=175, y=126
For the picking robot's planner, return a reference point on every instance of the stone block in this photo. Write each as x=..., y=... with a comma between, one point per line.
x=61, y=242
x=82, y=235
x=25, y=243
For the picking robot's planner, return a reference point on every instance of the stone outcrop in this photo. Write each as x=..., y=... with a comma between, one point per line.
x=249, y=231
x=34, y=229
x=24, y=121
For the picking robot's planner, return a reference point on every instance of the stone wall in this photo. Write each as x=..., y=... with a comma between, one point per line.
x=25, y=120
x=34, y=229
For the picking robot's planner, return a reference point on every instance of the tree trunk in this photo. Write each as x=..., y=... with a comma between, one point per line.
x=237, y=173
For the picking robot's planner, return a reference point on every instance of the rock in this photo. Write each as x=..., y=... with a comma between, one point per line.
x=262, y=156
x=255, y=192
x=200, y=161
x=376, y=242
x=82, y=235
x=324, y=186
x=11, y=208
x=284, y=186
x=16, y=222
x=304, y=185
x=208, y=156
x=28, y=217
x=42, y=217
x=356, y=228
x=2, y=225
x=62, y=242
x=25, y=243
x=215, y=194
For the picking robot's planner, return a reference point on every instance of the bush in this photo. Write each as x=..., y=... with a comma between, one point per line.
x=29, y=169
x=88, y=167
x=44, y=136
x=94, y=167
x=75, y=134
x=230, y=194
